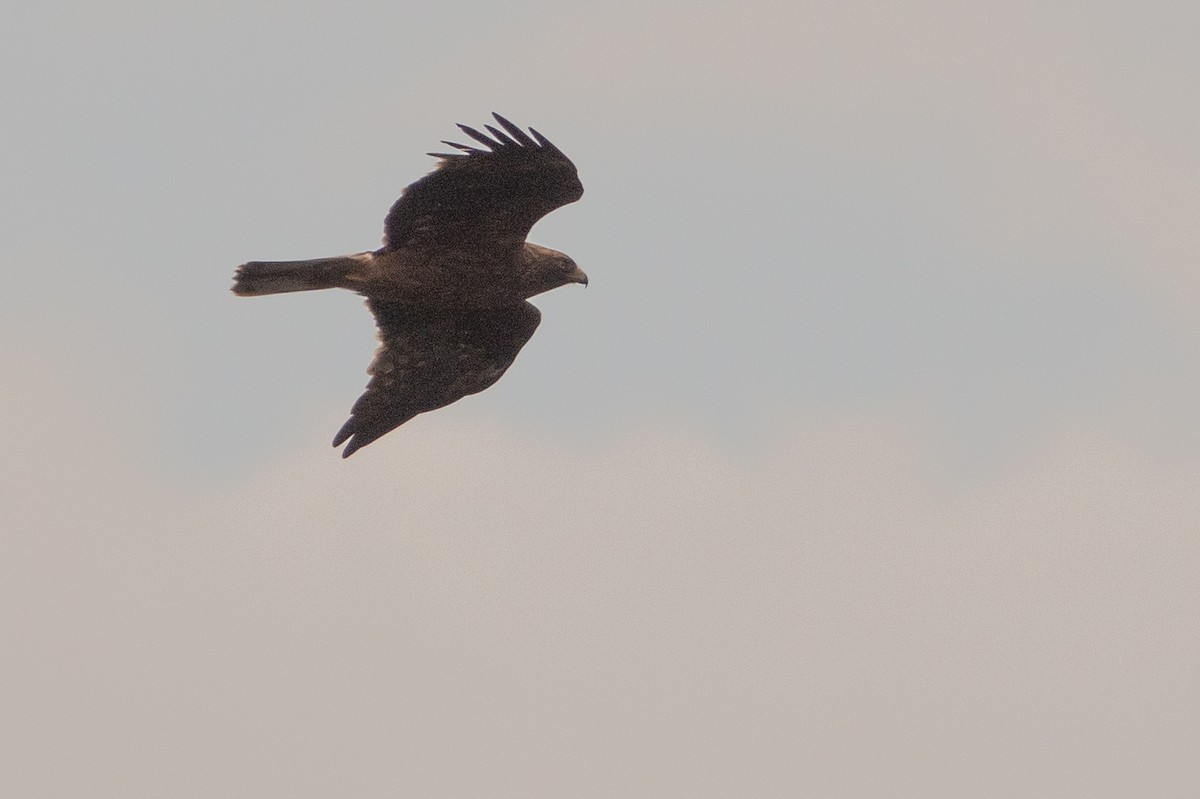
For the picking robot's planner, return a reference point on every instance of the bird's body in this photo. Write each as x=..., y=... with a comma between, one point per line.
x=449, y=286
x=448, y=278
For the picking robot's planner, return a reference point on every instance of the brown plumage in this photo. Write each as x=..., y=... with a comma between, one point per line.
x=448, y=288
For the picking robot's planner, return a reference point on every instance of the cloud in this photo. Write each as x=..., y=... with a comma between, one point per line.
x=462, y=610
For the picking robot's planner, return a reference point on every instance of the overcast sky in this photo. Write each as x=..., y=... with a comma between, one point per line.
x=867, y=465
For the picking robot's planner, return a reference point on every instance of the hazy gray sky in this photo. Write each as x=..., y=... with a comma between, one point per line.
x=867, y=465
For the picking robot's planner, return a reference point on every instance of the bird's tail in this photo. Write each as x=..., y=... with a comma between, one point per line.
x=277, y=277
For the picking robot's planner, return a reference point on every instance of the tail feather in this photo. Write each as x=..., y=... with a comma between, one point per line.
x=277, y=277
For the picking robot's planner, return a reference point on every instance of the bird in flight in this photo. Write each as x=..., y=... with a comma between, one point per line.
x=449, y=287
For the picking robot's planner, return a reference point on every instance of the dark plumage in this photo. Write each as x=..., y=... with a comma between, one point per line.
x=448, y=288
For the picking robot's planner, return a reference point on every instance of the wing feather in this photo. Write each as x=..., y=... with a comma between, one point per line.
x=484, y=199
x=521, y=136
x=501, y=136
x=429, y=358
x=482, y=138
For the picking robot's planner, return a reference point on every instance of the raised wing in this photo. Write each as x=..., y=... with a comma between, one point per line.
x=429, y=358
x=484, y=198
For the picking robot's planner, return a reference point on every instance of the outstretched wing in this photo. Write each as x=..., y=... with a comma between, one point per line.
x=484, y=198
x=429, y=358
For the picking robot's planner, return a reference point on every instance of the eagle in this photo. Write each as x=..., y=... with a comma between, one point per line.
x=449, y=288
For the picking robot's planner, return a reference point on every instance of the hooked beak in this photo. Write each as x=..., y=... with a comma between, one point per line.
x=578, y=276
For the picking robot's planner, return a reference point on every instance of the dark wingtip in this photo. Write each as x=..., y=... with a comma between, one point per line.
x=521, y=136
x=546, y=143
x=477, y=136
x=510, y=136
x=501, y=136
x=464, y=147
x=352, y=437
x=351, y=447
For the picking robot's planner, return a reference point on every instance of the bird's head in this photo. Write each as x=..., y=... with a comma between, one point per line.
x=547, y=269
